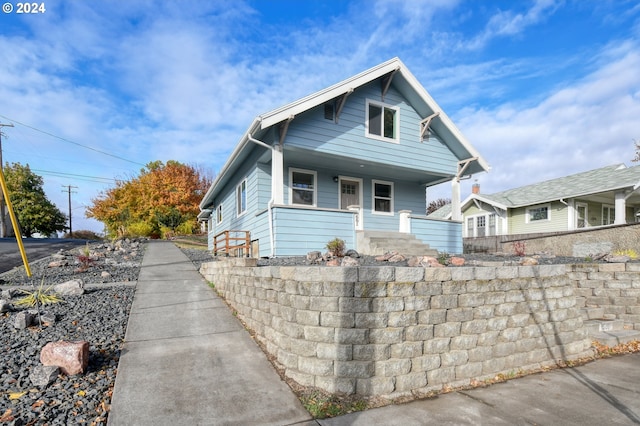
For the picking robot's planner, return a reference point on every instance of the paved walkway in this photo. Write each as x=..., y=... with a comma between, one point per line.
x=188, y=361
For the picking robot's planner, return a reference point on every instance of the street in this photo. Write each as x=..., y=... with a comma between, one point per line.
x=36, y=248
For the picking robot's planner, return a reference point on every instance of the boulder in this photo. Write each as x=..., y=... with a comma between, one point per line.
x=334, y=262
x=23, y=319
x=349, y=261
x=396, y=258
x=617, y=259
x=352, y=253
x=456, y=261
x=57, y=264
x=528, y=261
x=5, y=306
x=43, y=375
x=71, y=357
x=314, y=256
x=385, y=257
x=70, y=288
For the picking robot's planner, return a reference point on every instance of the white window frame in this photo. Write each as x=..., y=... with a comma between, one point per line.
x=396, y=123
x=240, y=209
x=610, y=208
x=314, y=173
x=373, y=197
x=540, y=206
x=219, y=214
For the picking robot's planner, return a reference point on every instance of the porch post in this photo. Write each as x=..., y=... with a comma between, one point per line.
x=277, y=175
x=621, y=209
x=405, y=221
x=456, y=214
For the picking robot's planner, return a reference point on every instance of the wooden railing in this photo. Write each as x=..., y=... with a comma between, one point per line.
x=228, y=242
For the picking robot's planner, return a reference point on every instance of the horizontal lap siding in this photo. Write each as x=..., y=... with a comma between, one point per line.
x=558, y=214
x=441, y=235
x=299, y=231
x=347, y=138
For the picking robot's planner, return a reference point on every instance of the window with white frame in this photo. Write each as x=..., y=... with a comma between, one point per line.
x=219, y=214
x=470, y=227
x=382, y=197
x=492, y=225
x=608, y=215
x=382, y=121
x=241, y=198
x=538, y=213
x=482, y=225
x=302, y=188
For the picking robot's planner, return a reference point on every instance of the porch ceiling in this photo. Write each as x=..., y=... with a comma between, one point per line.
x=355, y=167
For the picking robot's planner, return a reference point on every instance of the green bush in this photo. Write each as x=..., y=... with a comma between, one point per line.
x=83, y=235
x=139, y=229
x=185, y=228
x=336, y=247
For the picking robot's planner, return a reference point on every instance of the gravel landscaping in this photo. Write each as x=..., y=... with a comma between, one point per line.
x=99, y=316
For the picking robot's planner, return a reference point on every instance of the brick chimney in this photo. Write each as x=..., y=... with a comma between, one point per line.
x=475, y=188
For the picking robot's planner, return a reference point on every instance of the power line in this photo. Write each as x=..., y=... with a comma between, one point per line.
x=71, y=142
x=76, y=176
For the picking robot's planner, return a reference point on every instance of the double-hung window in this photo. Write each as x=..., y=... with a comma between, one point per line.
x=608, y=215
x=382, y=121
x=302, y=187
x=382, y=197
x=219, y=214
x=241, y=198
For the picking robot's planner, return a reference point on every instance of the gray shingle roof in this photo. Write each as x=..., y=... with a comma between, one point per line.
x=591, y=182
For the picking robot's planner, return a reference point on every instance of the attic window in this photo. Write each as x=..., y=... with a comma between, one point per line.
x=328, y=111
x=382, y=121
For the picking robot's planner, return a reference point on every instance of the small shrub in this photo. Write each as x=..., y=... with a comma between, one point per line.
x=519, y=248
x=443, y=258
x=40, y=296
x=83, y=235
x=336, y=247
x=140, y=229
x=185, y=228
x=630, y=253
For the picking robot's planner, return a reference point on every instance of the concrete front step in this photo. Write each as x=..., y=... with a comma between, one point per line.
x=381, y=242
x=615, y=337
x=594, y=326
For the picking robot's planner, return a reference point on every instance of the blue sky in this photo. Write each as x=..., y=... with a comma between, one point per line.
x=97, y=89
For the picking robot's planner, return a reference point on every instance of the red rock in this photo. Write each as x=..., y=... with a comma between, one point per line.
x=456, y=261
x=71, y=357
x=334, y=262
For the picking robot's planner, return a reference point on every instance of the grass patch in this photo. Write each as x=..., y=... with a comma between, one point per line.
x=322, y=405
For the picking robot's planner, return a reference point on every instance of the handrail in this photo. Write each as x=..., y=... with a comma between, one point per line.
x=224, y=246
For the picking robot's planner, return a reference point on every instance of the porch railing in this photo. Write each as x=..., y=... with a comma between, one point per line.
x=232, y=243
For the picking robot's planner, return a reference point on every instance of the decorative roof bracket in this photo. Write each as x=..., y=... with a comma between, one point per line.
x=386, y=82
x=424, y=125
x=341, y=101
x=462, y=166
x=284, y=127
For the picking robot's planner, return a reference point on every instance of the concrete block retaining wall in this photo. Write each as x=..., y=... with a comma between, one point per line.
x=393, y=330
x=611, y=290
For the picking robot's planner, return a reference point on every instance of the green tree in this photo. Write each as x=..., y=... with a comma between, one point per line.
x=34, y=211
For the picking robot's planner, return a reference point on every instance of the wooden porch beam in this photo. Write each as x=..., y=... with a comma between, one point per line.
x=386, y=82
x=424, y=124
x=284, y=127
x=342, y=100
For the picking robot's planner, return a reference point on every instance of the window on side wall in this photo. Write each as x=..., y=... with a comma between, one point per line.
x=382, y=121
x=382, y=197
x=219, y=214
x=537, y=214
x=303, y=187
x=241, y=198
x=608, y=215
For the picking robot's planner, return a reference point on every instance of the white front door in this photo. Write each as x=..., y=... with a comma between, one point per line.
x=351, y=197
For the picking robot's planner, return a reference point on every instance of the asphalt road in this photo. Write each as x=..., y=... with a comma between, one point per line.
x=36, y=248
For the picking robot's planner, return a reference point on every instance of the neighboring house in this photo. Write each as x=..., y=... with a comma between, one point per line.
x=596, y=198
x=345, y=162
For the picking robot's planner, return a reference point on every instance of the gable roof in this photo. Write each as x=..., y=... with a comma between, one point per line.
x=610, y=178
x=402, y=80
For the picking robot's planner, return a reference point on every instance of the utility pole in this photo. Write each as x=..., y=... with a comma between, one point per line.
x=69, y=191
x=3, y=225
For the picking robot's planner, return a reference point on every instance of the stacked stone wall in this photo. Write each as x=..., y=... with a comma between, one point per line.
x=608, y=290
x=396, y=330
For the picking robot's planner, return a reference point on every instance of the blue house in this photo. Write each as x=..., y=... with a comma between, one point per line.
x=352, y=161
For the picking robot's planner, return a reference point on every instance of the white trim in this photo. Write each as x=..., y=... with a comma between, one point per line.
x=360, y=210
x=610, y=207
x=315, y=186
x=538, y=206
x=578, y=204
x=373, y=197
x=396, y=122
x=238, y=201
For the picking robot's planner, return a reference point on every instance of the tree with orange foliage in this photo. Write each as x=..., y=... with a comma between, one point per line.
x=161, y=201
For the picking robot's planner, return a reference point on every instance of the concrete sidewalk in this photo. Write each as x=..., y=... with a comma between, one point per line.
x=188, y=361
